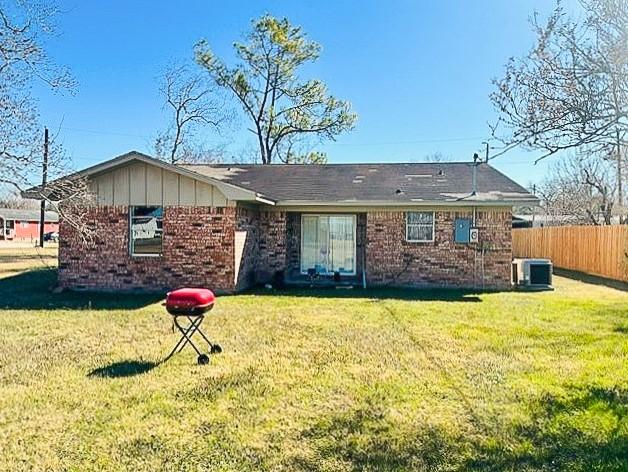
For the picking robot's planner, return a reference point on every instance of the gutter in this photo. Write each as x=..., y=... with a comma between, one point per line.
x=262, y=199
x=422, y=203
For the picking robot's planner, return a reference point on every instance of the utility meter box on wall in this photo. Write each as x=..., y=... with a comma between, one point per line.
x=474, y=235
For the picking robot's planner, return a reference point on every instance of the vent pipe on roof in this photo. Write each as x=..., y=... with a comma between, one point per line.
x=476, y=159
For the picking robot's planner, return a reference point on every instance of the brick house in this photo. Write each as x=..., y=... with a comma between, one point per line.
x=23, y=225
x=231, y=226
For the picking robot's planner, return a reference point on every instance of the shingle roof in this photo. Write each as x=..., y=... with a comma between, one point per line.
x=364, y=183
x=27, y=215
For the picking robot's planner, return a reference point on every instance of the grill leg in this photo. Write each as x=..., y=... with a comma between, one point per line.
x=213, y=348
x=186, y=334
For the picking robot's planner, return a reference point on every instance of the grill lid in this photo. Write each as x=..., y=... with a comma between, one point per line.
x=190, y=297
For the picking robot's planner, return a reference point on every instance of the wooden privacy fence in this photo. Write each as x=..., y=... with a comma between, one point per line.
x=597, y=250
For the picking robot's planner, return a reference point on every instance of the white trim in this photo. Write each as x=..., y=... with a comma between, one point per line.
x=433, y=227
x=260, y=198
x=355, y=249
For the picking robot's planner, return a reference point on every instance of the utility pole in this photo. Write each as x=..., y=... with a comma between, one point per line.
x=486, y=151
x=44, y=178
x=620, y=193
x=533, y=206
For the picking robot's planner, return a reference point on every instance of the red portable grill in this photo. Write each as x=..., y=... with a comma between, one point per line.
x=191, y=304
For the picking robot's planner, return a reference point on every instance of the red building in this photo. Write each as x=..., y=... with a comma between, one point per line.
x=23, y=225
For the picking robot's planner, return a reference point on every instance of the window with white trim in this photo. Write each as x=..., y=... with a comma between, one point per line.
x=146, y=230
x=419, y=226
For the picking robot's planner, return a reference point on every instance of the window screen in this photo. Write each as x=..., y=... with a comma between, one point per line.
x=420, y=226
x=146, y=230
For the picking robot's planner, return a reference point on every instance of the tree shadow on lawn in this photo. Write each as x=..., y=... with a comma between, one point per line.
x=409, y=294
x=30, y=290
x=583, y=430
x=126, y=368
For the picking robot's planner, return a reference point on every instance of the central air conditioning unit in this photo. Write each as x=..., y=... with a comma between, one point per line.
x=532, y=273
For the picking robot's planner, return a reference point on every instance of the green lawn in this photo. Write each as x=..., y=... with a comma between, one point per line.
x=313, y=381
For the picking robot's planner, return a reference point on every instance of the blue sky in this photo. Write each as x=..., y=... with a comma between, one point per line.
x=417, y=73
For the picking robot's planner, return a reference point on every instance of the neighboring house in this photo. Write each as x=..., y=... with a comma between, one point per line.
x=23, y=225
x=230, y=226
x=543, y=220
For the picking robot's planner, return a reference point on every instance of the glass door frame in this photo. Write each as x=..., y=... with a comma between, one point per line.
x=355, y=249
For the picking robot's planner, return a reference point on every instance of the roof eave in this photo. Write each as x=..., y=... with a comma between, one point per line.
x=422, y=203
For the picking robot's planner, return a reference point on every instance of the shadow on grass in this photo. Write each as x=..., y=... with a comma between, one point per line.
x=583, y=430
x=591, y=279
x=30, y=290
x=123, y=369
x=410, y=294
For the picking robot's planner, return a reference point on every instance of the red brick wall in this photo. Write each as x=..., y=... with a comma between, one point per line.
x=198, y=250
x=393, y=261
x=272, y=255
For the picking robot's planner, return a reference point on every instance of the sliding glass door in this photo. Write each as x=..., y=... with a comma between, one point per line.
x=328, y=244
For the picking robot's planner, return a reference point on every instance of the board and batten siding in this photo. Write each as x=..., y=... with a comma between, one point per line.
x=144, y=184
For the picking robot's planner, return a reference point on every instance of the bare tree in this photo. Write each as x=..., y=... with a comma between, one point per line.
x=571, y=90
x=195, y=106
x=13, y=199
x=23, y=62
x=579, y=189
x=437, y=157
x=280, y=107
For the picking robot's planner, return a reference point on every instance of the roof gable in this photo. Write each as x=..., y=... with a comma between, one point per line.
x=231, y=190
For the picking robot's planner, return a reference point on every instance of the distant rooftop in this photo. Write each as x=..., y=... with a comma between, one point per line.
x=27, y=215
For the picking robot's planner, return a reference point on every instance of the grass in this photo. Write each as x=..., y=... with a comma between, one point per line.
x=315, y=381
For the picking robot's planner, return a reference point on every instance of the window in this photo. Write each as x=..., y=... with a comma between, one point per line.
x=146, y=230
x=462, y=230
x=420, y=226
x=328, y=244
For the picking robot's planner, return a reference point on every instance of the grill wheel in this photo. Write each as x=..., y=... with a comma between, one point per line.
x=203, y=359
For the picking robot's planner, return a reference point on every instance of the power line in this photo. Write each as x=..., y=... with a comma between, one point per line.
x=380, y=143
x=113, y=133
x=414, y=141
